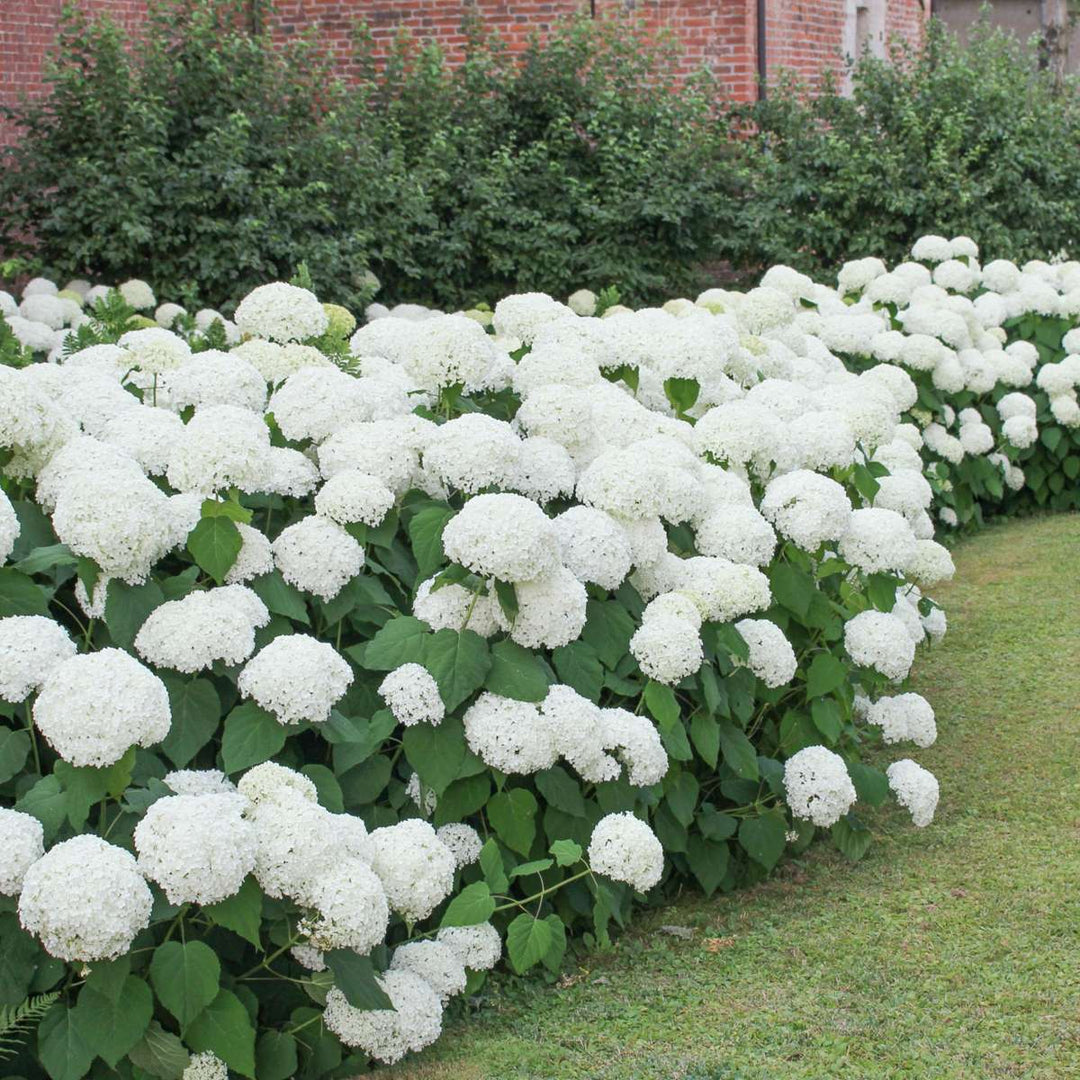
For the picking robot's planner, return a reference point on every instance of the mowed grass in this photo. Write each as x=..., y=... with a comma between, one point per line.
x=948, y=952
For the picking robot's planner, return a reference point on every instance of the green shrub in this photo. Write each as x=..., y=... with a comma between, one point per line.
x=940, y=139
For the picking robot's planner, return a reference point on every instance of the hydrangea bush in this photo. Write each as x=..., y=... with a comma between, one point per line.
x=337, y=663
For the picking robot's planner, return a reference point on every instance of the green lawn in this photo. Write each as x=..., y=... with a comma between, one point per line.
x=948, y=952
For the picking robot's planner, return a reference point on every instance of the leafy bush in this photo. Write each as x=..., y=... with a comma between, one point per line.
x=222, y=160
x=451, y=636
x=940, y=138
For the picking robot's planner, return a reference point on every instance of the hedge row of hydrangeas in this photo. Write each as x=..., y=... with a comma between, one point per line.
x=338, y=663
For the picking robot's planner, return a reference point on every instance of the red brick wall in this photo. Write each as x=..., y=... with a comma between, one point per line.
x=804, y=35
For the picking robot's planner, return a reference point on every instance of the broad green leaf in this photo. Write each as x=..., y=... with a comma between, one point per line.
x=556, y=950
x=459, y=661
x=226, y=508
x=86, y=786
x=62, y=1044
x=471, y=906
x=682, y=393
x=825, y=712
x=792, y=587
x=716, y=826
x=537, y=866
x=825, y=675
x=517, y=673
x=566, y=852
x=466, y=796
x=112, y=1027
x=47, y=558
x=127, y=608
x=14, y=750
x=214, y=544
x=185, y=978
x=661, y=702
x=275, y=1056
x=160, y=1053
x=506, y=595
x=400, y=641
x=355, y=740
x=708, y=861
x=763, y=837
x=224, y=1027
x=681, y=793
x=196, y=713
x=327, y=787
x=577, y=665
x=608, y=629
x=852, y=837
x=527, y=941
x=871, y=785
x=19, y=595
x=425, y=531
x=19, y=955
x=491, y=863
x=560, y=790
x=241, y=913
x=705, y=735
x=737, y=750
x=512, y=815
x=436, y=751
x=354, y=976
x=251, y=737
x=46, y=801
x=280, y=598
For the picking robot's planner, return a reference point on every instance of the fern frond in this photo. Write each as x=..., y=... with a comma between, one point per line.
x=17, y=1023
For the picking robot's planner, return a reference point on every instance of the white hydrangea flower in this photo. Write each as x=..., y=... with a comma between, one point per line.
x=93, y=707
x=21, y=845
x=264, y=782
x=353, y=911
x=930, y=563
x=213, y=377
x=198, y=848
x=416, y=868
x=478, y=947
x=904, y=717
x=624, y=848
x=453, y=607
x=667, y=648
x=222, y=446
x=463, y=840
x=817, y=785
x=545, y=470
x=771, y=659
x=155, y=350
x=198, y=782
x=137, y=294
x=551, y=610
x=724, y=591
x=254, y=559
x=577, y=730
x=593, y=546
x=916, y=789
x=388, y=1034
x=878, y=540
x=521, y=316
x=412, y=695
x=511, y=736
x=435, y=962
x=807, y=508
x=317, y=556
x=166, y=314
x=502, y=536
x=188, y=635
x=297, y=678
x=296, y=839
x=281, y=313
x=31, y=648
x=879, y=640
x=85, y=899
x=120, y=520
x=1020, y=431
x=473, y=452
x=931, y=248
x=635, y=740
x=353, y=496
x=205, y=1066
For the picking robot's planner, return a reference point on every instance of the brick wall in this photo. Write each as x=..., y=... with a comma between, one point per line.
x=807, y=36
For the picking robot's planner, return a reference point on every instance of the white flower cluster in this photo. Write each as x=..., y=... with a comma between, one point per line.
x=297, y=678
x=624, y=848
x=818, y=786
x=412, y=695
x=916, y=789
